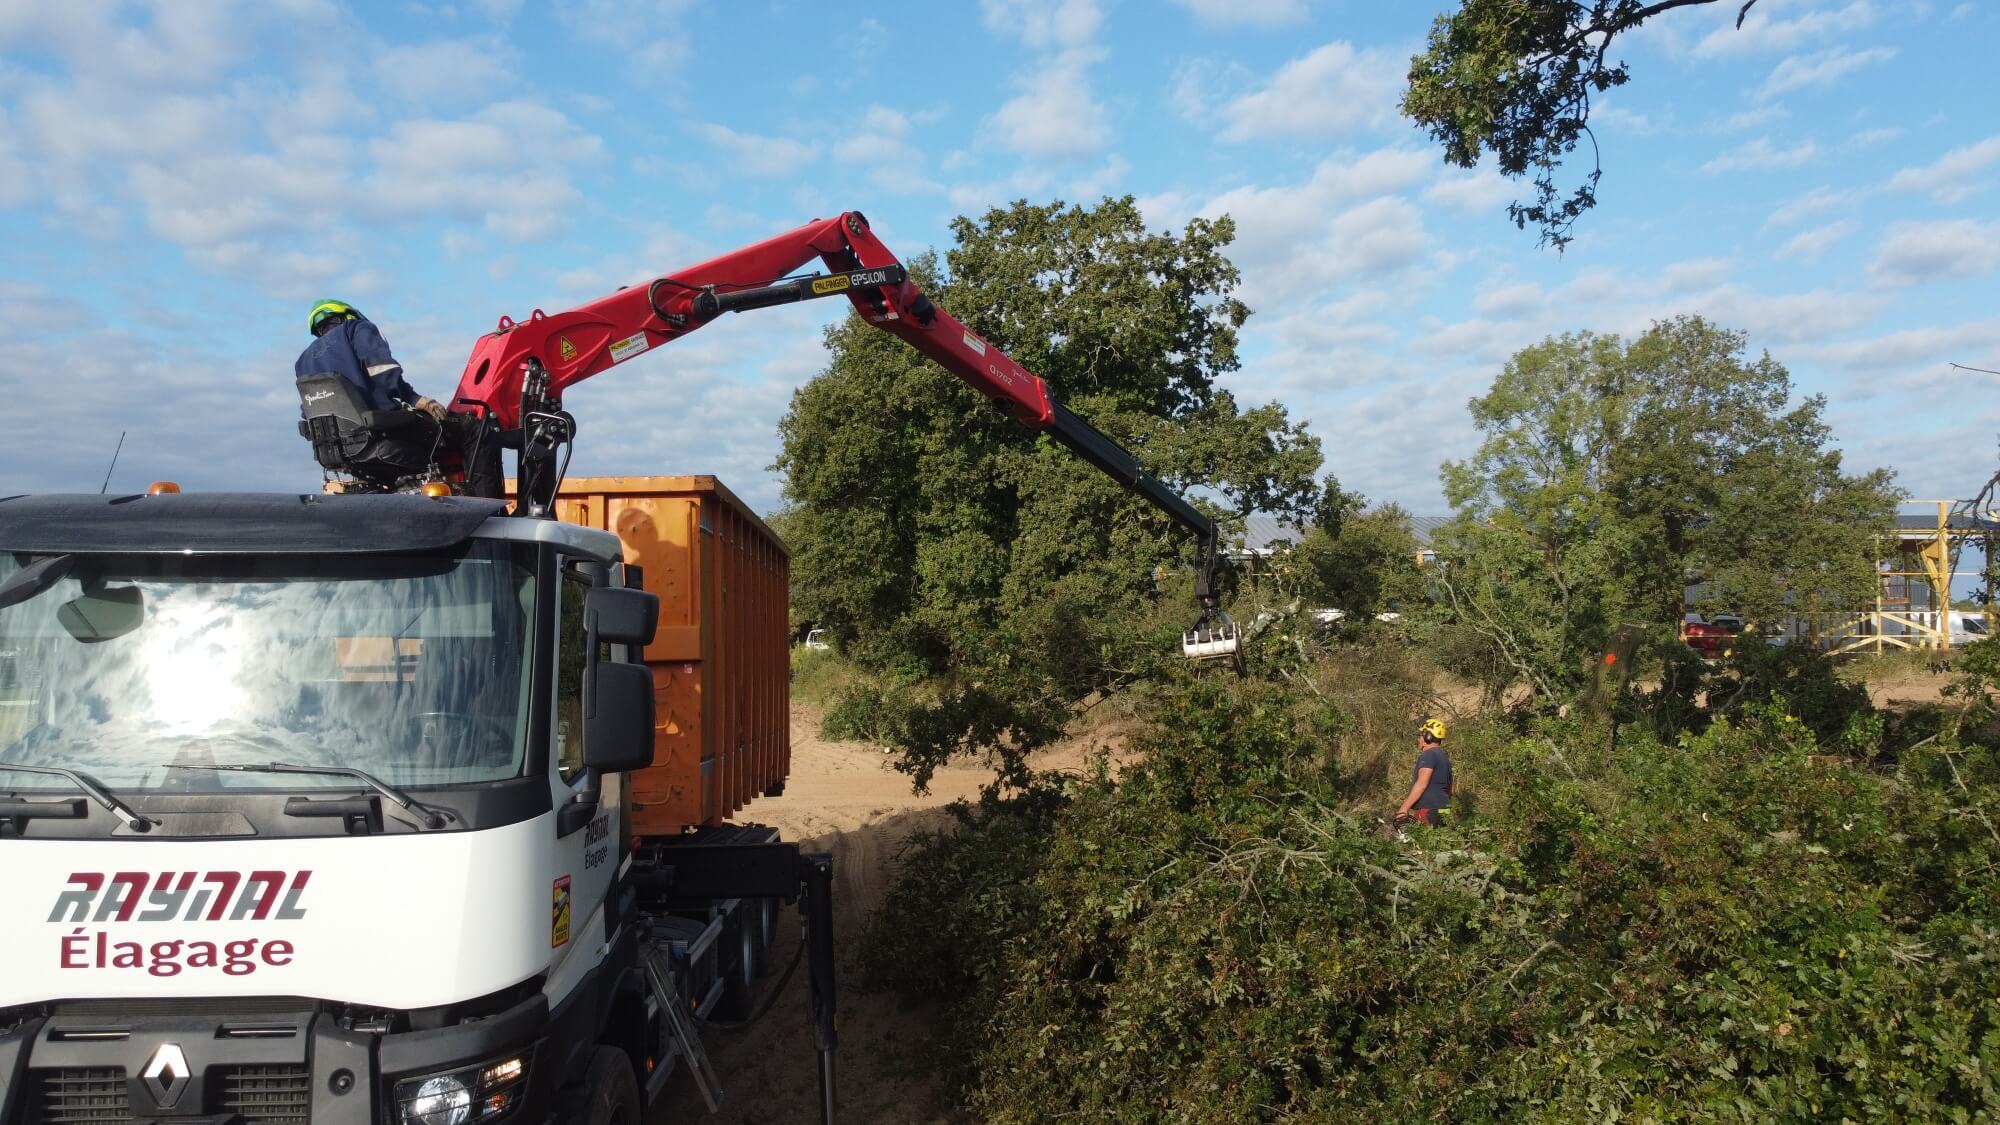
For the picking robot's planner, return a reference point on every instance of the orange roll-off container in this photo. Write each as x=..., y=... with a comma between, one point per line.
x=721, y=660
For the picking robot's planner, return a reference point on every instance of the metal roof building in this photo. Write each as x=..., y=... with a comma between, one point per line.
x=1265, y=535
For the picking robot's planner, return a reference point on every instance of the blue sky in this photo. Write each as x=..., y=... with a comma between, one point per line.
x=180, y=180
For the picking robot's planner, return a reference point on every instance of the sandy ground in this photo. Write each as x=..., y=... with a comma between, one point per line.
x=1906, y=687
x=841, y=797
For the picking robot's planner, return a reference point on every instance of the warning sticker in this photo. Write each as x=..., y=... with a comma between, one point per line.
x=975, y=343
x=622, y=350
x=565, y=349
x=825, y=285
x=559, y=914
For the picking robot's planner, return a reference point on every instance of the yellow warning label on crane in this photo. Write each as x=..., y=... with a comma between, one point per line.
x=565, y=349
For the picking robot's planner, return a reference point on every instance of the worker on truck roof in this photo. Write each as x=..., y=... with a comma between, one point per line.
x=1432, y=785
x=347, y=344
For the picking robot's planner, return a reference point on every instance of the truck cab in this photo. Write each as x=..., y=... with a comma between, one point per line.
x=312, y=808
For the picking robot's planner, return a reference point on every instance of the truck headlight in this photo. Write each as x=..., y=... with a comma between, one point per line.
x=465, y=1096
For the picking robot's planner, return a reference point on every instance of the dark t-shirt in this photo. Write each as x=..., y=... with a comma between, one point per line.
x=1437, y=794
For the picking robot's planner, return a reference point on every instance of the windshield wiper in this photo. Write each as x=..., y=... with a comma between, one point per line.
x=433, y=818
x=97, y=793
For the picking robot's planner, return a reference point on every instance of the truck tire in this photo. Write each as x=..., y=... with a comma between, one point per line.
x=739, y=980
x=769, y=923
x=608, y=1094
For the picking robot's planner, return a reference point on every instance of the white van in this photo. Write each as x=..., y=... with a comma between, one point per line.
x=1967, y=626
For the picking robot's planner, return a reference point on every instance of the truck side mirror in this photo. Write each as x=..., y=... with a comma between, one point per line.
x=620, y=616
x=618, y=734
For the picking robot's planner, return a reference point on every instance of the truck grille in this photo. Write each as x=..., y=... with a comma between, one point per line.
x=82, y=1095
x=268, y=1094
x=262, y=1094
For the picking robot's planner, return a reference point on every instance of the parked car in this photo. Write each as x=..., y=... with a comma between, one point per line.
x=1711, y=637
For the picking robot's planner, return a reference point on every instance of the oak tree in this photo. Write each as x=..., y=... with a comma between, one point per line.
x=988, y=570
x=1517, y=77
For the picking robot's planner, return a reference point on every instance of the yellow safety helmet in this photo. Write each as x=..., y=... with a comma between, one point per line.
x=1432, y=729
x=326, y=310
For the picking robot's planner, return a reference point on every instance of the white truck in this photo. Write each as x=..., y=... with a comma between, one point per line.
x=313, y=808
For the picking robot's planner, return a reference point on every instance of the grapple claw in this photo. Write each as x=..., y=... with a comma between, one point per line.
x=1213, y=639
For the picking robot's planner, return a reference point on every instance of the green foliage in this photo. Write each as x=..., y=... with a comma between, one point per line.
x=1614, y=477
x=1516, y=77
x=1800, y=681
x=1366, y=566
x=942, y=542
x=1736, y=927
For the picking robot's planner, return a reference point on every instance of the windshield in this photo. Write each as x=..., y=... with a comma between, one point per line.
x=411, y=668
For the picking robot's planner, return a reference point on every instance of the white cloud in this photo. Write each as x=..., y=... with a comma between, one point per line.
x=1869, y=138
x=756, y=155
x=1808, y=245
x=1766, y=29
x=1694, y=274
x=91, y=120
x=1054, y=24
x=1333, y=90
x=453, y=70
x=1761, y=154
x=1751, y=118
x=1378, y=237
x=649, y=37
x=17, y=186
x=81, y=398
x=1914, y=253
x=1911, y=348
x=1614, y=116
x=1955, y=175
x=882, y=145
x=1510, y=299
x=1822, y=68
x=1102, y=180
x=1304, y=208
x=1814, y=202
x=1471, y=193
x=178, y=45
x=1189, y=94
x=1247, y=13
x=1055, y=115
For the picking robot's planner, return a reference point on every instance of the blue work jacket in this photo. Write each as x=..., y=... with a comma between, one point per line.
x=356, y=351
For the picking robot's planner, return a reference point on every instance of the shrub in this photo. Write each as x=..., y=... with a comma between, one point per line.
x=1736, y=926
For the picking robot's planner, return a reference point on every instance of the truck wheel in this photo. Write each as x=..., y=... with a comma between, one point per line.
x=768, y=924
x=739, y=987
x=755, y=915
x=608, y=1095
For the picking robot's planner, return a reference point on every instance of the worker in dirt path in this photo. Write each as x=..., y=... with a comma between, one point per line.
x=1432, y=785
x=347, y=344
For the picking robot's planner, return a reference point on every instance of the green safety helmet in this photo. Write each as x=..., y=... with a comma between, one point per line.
x=329, y=309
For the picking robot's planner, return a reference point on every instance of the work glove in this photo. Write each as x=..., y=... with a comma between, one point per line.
x=432, y=407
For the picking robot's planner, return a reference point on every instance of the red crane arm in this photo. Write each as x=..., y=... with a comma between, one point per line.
x=580, y=343
x=572, y=346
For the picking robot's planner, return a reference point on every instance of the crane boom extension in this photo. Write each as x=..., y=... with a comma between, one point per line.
x=517, y=374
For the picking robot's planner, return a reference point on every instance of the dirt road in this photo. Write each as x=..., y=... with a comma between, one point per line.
x=842, y=797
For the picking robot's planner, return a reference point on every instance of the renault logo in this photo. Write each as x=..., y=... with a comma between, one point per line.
x=166, y=1075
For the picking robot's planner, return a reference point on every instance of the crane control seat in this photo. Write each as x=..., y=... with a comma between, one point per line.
x=377, y=446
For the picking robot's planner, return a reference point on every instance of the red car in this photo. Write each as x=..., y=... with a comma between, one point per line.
x=1711, y=638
